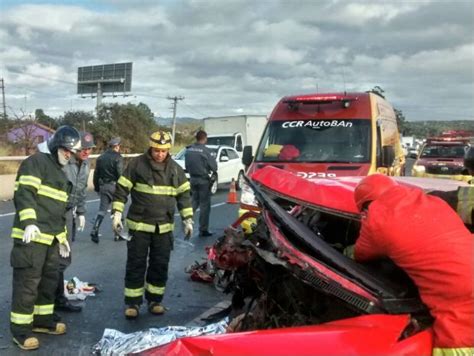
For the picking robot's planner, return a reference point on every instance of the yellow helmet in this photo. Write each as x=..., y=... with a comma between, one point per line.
x=161, y=140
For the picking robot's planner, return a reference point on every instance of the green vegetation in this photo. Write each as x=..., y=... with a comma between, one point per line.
x=133, y=123
x=423, y=129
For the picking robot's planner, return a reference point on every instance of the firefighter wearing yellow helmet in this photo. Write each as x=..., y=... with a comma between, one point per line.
x=156, y=183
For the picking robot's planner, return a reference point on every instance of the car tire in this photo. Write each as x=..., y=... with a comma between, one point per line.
x=240, y=180
x=214, y=186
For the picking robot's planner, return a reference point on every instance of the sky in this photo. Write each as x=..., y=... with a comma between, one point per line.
x=237, y=57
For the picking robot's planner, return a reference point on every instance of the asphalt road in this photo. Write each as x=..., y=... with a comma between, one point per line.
x=104, y=264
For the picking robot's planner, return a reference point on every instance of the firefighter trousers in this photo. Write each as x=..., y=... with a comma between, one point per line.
x=148, y=256
x=35, y=278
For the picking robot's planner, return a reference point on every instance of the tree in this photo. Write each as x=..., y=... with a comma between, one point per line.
x=45, y=120
x=401, y=122
x=377, y=90
x=133, y=123
x=81, y=120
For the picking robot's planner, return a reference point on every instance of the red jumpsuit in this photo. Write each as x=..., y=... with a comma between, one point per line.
x=428, y=240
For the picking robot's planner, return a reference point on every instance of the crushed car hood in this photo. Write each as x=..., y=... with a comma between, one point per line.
x=365, y=335
x=334, y=194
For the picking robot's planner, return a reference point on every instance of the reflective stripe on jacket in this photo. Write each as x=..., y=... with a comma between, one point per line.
x=41, y=195
x=155, y=189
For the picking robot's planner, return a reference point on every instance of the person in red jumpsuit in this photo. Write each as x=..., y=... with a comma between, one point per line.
x=425, y=237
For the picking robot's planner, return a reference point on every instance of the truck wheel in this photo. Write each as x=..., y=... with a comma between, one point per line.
x=240, y=181
x=214, y=186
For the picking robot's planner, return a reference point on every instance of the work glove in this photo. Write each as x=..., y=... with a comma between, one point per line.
x=117, y=224
x=64, y=249
x=349, y=251
x=31, y=231
x=188, y=228
x=81, y=222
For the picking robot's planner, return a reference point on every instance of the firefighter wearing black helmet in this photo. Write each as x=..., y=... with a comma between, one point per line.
x=39, y=238
x=156, y=184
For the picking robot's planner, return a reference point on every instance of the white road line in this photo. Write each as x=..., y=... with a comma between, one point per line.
x=95, y=200
x=7, y=214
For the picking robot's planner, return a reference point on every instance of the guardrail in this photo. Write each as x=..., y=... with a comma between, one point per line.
x=8, y=180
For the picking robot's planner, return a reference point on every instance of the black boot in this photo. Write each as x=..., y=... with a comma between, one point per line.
x=95, y=229
x=61, y=302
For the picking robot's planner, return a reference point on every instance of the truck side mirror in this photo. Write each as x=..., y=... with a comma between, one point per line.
x=247, y=156
x=388, y=156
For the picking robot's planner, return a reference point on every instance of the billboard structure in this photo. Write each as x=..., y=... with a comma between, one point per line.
x=106, y=78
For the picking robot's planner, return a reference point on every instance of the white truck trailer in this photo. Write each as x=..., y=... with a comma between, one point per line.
x=235, y=131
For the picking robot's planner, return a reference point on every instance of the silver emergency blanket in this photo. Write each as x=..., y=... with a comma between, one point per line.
x=114, y=342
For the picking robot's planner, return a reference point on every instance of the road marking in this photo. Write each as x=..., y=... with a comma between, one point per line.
x=7, y=214
x=95, y=200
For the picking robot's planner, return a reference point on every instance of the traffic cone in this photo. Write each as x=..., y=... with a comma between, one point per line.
x=232, y=196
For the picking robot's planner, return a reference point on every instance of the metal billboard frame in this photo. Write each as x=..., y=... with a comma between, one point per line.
x=105, y=78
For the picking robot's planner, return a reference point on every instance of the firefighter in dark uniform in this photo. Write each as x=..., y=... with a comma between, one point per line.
x=108, y=169
x=156, y=184
x=201, y=166
x=39, y=238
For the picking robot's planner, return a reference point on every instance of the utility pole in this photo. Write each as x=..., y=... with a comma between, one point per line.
x=3, y=101
x=175, y=104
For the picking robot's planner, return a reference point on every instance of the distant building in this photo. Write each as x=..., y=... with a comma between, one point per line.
x=29, y=135
x=32, y=132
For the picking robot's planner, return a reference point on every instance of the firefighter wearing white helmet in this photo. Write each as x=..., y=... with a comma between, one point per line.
x=156, y=184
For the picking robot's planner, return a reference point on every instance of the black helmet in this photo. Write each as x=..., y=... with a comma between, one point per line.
x=469, y=160
x=65, y=137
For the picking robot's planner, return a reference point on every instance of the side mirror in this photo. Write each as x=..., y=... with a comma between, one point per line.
x=224, y=159
x=388, y=156
x=247, y=156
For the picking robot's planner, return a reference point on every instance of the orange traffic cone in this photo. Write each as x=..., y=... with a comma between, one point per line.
x=232, y=196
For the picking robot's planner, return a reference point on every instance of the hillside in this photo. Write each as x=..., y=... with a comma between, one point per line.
x=422, y=129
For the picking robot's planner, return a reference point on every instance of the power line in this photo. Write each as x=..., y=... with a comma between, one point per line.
x=42, y=77
x=194, y=111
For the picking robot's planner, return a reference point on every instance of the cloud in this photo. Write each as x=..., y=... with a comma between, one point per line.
x=235, y=56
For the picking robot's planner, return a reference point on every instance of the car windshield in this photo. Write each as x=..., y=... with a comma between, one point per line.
x=180, y=155
x=443, y=151
x=221, y=141
x=316, y=141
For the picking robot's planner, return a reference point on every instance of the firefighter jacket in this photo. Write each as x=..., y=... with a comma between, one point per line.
x=108, y=168
x=428, y=240
x=41, y=196
x=78, y=174
x=155, y=189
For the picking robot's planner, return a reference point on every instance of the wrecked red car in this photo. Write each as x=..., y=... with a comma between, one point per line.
x=294, y=292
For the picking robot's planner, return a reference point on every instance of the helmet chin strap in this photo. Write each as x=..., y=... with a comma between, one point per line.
x=62, y=157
